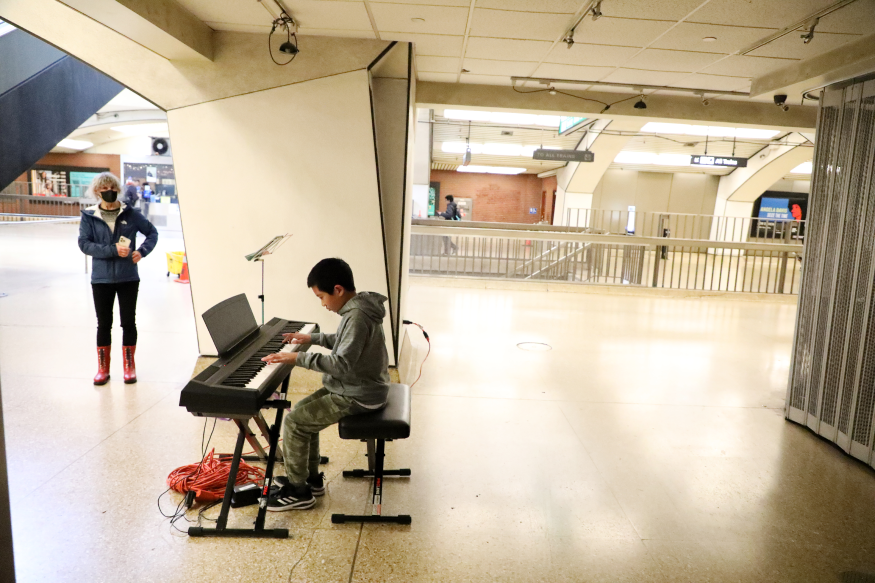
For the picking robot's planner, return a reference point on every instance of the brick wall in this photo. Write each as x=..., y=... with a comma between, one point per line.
x=499, y=198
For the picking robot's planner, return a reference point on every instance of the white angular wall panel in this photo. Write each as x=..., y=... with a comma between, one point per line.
x=296, y=159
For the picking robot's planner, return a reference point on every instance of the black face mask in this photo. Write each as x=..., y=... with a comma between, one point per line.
x=109, y=196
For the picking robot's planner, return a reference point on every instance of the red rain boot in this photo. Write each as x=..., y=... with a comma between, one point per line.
x=102, y=375
x=130, y=366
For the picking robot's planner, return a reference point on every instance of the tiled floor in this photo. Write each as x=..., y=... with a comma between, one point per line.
x=647, y=445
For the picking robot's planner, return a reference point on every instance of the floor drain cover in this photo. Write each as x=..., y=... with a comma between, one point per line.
x=536, y=346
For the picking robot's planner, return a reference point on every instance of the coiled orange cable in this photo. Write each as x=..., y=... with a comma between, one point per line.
x=208, y=478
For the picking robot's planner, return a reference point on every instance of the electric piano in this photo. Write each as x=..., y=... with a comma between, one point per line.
x=238, y=384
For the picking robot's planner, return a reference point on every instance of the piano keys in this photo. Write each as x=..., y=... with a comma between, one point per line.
x=238, y=384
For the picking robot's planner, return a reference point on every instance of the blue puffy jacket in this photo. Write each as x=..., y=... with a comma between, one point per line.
x=97, y=240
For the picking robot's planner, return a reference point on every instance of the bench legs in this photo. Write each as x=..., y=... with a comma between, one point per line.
x=375, y=469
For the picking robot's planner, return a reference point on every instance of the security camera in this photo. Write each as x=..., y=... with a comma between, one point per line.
x=781, y=101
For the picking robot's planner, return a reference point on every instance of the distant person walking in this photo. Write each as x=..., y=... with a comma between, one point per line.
x=108, y=232
x=131, y=196
x=451, y=214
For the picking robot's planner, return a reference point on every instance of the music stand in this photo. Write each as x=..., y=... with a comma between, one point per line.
x=259, y=255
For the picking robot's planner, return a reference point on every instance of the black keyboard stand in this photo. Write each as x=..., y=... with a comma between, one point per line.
x=258, y=531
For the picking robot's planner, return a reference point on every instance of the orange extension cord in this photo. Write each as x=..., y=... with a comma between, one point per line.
x=208, y=478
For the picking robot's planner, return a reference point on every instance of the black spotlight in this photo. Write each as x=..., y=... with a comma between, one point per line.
x=640, y=104
x=289, y=47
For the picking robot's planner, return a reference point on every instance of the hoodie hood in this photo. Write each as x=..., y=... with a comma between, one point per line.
x=368, y=303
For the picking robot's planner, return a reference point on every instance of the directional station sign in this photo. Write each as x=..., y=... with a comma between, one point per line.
x=724, y=161
x=564, y=155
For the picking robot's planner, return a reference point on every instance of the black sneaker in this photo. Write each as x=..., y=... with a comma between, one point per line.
x=291, y=498
x=316, y=483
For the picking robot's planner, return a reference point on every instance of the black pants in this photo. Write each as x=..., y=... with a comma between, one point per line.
x=104, y=300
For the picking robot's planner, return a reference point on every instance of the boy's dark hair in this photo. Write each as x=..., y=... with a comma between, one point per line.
x=331, y=272
x=449, y=198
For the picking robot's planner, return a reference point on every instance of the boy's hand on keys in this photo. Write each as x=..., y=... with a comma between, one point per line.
x=281, y=358
x=296, y=338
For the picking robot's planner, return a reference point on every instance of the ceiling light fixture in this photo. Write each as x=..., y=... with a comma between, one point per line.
x=804, y=168
x=796, y=26
x=640, y=103
x=712, y=131
x=492, y=169
x=417, y=20
x=552, y=90
x=709, y=39
x=633, y=86
x=646, y=158
x=809, y=31
x=74, y=144
x=596, y=10
x=569, y=39
x=282, y=21
x=501, y=117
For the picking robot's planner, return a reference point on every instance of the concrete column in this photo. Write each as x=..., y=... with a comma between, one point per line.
x=577, y=181
x=737, y=191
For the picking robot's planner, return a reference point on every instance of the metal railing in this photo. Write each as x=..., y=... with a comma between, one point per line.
x=51, y=189
x=556, y=255
x=25, y=208
x=686, y=226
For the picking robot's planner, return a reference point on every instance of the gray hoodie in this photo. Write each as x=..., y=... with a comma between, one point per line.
x=358, y=364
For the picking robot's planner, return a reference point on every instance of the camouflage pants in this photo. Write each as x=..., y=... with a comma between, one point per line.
x=301, y=429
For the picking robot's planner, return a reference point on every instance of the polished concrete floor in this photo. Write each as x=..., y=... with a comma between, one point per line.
x=647, y=445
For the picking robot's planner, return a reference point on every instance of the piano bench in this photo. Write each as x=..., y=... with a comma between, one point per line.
x=390, y=422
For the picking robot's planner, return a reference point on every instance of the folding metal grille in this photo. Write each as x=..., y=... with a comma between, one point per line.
x=832, y=379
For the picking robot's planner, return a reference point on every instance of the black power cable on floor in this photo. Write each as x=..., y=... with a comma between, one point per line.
x=427, y=339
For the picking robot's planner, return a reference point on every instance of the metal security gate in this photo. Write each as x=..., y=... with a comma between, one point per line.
x=832, y=375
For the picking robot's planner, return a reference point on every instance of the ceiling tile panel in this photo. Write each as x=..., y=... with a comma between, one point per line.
x=791, y=45
x=329, y=14
x=738, y=66
x=768, y=13
x=688, y=36
x=662, y=10
x=436, y=77
x=554, y=71
x=228, y=12
x=643, y=77
x=520, y=25
x=438, y=19
x=506, y=49
x=592, y=55
x=620, y=31
x=462, y=3
x=435, y=45
x=548, y=6
x=369, y=33
x=856, y=18
x=437, y=64
x=485, y=79
x=714, y=82
x=663, y=60
x=507, y=68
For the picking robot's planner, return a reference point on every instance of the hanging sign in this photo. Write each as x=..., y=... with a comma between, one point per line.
x=723, y=161
x=564, y=155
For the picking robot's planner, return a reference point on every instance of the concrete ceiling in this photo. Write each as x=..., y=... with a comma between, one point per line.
x=654, y=43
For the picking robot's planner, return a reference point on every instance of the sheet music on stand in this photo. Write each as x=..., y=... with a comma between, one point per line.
x=259, y=255
x=270, y=248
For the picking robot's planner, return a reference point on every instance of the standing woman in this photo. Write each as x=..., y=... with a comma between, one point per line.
x=114, y=268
